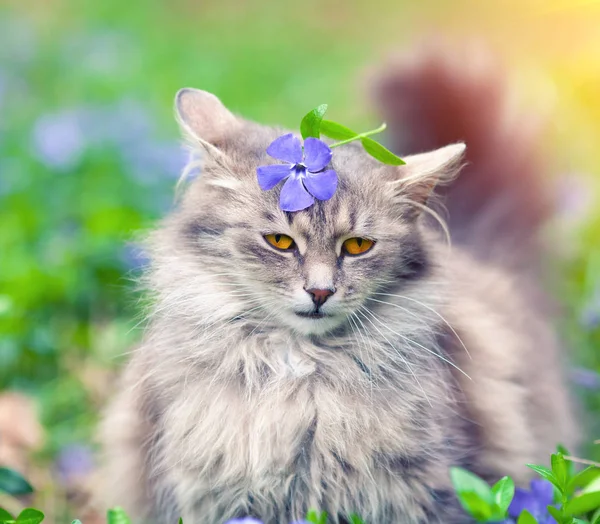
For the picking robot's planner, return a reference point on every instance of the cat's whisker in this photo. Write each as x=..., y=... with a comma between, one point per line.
x=429, y=308
x=411, y=341
x=412, y=372
x=356, y=332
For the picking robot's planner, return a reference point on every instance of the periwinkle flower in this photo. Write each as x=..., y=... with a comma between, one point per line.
x=305, y=172
x=586, y=378
x=73, y=463
x=58, y=139
x=535, y=501
x=590, y=316
x=135, y=257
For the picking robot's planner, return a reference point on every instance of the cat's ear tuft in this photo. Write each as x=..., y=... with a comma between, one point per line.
x=424, y=171
x=203, y=117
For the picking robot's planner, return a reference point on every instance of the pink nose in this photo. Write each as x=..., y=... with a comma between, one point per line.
x=319, y=296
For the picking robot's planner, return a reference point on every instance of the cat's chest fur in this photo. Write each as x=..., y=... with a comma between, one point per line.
x=299, y=414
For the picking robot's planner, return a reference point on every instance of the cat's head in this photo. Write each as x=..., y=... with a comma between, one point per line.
x=307, y=270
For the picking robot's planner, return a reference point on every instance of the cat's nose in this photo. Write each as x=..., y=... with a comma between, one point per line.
x=319, y=296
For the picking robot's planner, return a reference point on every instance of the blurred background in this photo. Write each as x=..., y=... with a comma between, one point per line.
x=89, y=155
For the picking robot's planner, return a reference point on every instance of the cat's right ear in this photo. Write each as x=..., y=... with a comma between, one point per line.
x=203, y=118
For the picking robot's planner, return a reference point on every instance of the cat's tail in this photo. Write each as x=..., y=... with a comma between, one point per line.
x=433, y=97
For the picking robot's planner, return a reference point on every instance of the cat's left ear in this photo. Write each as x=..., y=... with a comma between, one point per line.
x=203, y=118
x=416, y=180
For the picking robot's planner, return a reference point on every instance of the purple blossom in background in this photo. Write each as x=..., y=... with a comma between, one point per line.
x=536, y=501
x=73, y=463
x=58, y=139
x=149, y=161
x=590, y=316
x=303, y=170
x=61, y=139
x=134, y=257
x=586, y=378
x=125, y=124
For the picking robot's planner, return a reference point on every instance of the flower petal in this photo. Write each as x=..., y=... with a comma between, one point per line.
x=316, y=154
x=543, y=491
x=321, y=185
x=522, y=500
x=294, y=196
x=287, y=148
x=270, y=176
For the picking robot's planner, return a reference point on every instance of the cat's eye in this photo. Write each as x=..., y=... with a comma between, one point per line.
x=357, y=246
x=279, y=241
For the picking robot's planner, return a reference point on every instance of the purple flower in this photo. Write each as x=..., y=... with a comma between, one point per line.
x=134, y=257
x=536, y=501
x=586, y=378
x=73, y=463
x=590, y=316
x=58, y=139
x=306, y=178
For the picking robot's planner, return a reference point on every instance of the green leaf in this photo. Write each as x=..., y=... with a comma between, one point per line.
x=546, y=473
x=503, y=492
x=558, y=515
x=30, y=516
x=465, y=481
x=596, y=517
x=5, y=516
x=560, y=470
x=117, y=516
x=355, y=519
x=376, y=150
x=593, y=485
x=570, y=464
x=583, y=503
x=475, y=506
x=311, y=123
x=317, y=518
x=584, y=478
x=526, y=518
x=76, y=521
x=13, y=483
x=180, y=520
x=336, y=131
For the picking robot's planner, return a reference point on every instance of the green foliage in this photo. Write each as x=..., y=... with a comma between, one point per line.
x=13, y=483
x=315, y=517
x=336, y=131
x=376, y=150
x=503, y=492
x=27, y=516
x=482, y=502
x=526, y=518
x=311, y=123
x=117, y=516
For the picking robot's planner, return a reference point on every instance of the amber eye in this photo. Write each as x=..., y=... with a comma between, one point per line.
x=357, y=245
x=280, y=241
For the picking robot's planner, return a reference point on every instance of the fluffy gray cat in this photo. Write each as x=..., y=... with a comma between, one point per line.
x=277, y=378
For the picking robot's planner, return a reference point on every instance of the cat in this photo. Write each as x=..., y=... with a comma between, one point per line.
x=251, y=396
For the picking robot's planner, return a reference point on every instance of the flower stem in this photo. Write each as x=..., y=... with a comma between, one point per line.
x=359, y=136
